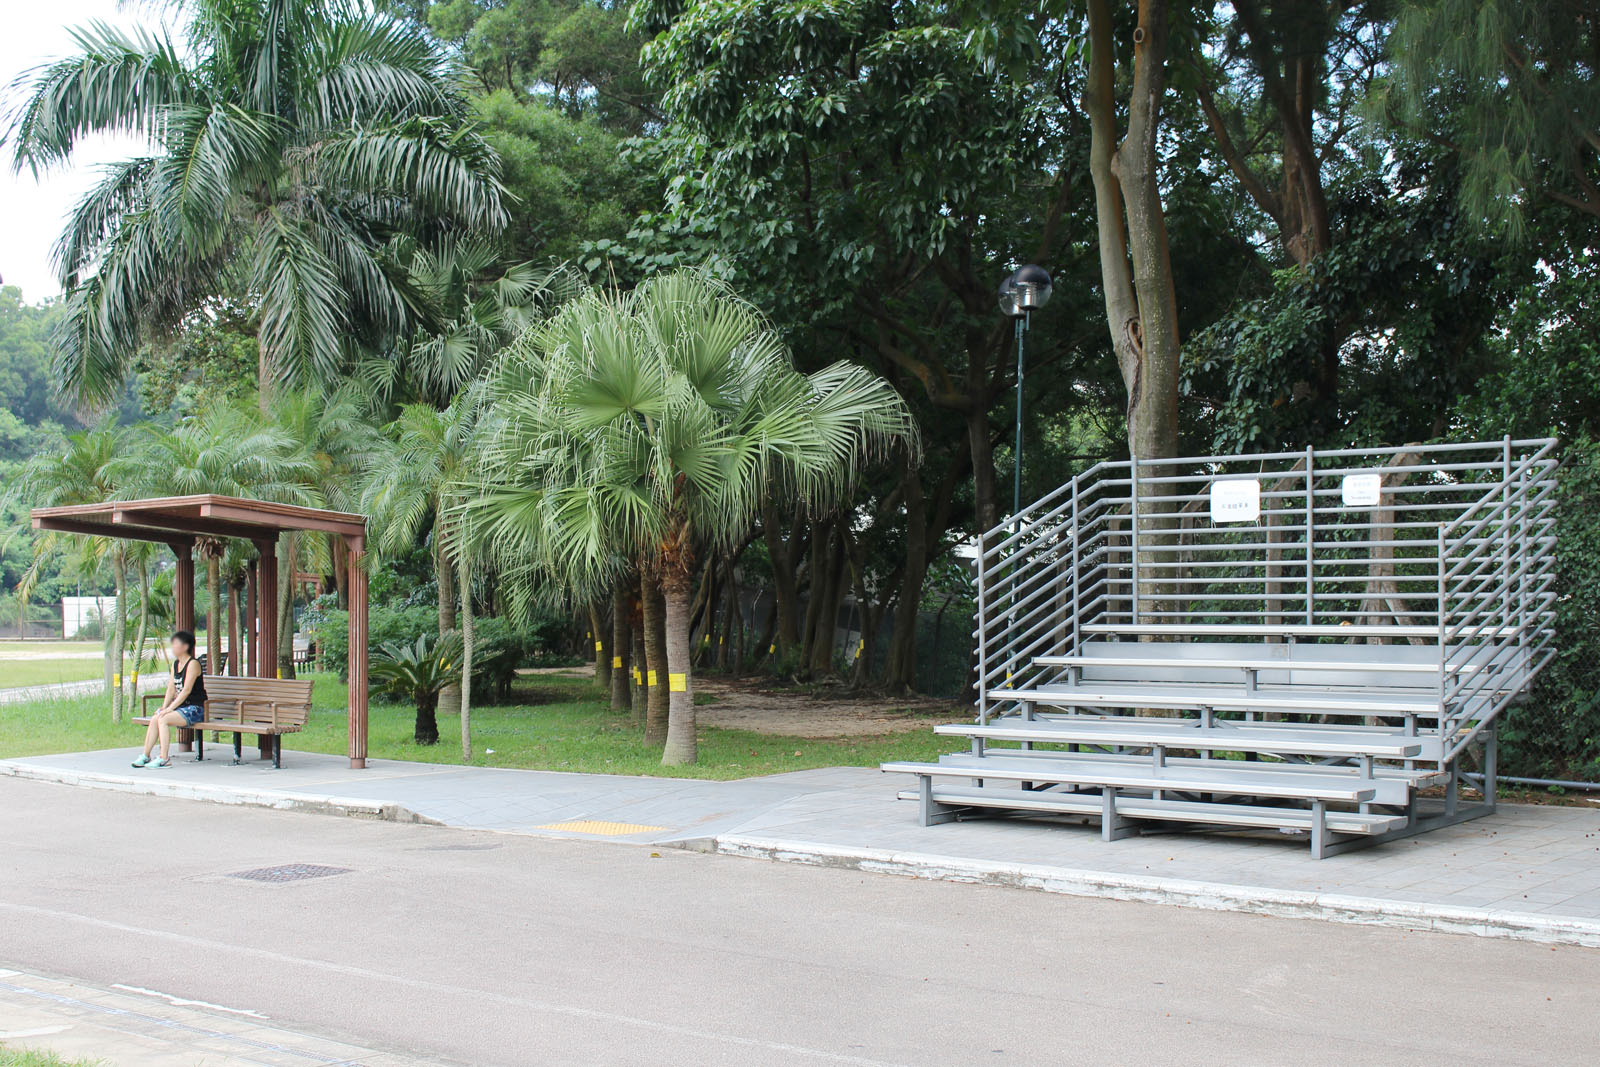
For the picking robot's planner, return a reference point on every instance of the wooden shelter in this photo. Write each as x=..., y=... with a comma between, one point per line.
x=180, y=521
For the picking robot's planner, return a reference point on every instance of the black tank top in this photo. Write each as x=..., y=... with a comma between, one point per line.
x=197, y=695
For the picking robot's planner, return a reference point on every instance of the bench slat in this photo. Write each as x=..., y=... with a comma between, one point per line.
x=1214, y=695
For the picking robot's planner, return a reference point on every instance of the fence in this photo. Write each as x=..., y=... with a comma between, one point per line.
x=1448, y=545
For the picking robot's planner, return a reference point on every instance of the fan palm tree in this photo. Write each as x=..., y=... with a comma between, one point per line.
x=647, y=427
x=290, y=142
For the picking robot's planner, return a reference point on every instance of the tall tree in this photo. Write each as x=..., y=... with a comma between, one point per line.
x=289, y=141
x=647, y=426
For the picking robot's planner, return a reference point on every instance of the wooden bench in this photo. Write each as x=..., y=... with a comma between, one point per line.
x=266, y=707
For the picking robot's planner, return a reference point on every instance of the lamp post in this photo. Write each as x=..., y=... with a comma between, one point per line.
x=1024, y=291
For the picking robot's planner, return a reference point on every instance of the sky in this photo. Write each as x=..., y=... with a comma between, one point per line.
x=32, y=212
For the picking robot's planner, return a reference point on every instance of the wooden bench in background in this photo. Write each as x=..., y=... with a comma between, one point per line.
x=266, y=707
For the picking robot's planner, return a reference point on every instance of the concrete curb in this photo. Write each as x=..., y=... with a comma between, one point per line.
x=1210, y=896
x=151, y=786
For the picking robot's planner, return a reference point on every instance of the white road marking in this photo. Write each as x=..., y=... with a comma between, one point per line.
x=549, y=1007
x=38, y=1031
x=179, y=1002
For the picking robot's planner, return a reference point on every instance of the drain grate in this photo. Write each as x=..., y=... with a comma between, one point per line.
x=289, y=872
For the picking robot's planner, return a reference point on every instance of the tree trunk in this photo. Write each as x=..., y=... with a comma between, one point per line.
x=235, y=648
x=899, y=673
x=621, y=649
x=450, y=695
x=288, y=553
x=466, y=656
x=655, y=656
x=427, y=728
x=119, y=631
x=785, y=587
x=828, y=595
x=144, y=629
x=639, y=694
x=214, y=623
x=676, y=589
x=602, y=647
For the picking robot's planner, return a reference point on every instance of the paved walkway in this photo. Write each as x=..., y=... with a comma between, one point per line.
x=147, y=1028
x=1530, y=872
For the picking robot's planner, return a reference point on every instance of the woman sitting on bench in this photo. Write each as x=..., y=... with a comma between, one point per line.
x=184, y=704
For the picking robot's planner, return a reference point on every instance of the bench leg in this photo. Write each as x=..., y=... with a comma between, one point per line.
x=1113, y=827
x=933, y=812
x=238, y=749
x=277, y=751
x=1319, y=828
x=199, y=745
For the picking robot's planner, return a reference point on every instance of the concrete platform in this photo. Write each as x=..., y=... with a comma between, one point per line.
x=1528, y=872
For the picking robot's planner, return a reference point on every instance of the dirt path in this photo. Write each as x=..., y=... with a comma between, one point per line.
x=755, y=704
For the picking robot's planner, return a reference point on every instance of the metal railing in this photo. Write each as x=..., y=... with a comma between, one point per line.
x=1449, y=545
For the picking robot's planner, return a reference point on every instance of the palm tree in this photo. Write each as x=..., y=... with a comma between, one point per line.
x=647, y=427
x=89, y=468
x=419, y=672
x=290, y=141
x=410, y=484
x=337, y=441
x=229, y=450
x=474, y=307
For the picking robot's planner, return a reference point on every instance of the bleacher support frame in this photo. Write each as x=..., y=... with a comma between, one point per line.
x=1360, y=595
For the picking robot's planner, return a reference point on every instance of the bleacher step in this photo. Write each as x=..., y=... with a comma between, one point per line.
x=1190, y=734
x=1186, y=778
x=1219, y=697
x=1242, y=815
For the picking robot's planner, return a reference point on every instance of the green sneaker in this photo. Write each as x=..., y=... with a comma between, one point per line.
x=142, y=761
x=158, y=762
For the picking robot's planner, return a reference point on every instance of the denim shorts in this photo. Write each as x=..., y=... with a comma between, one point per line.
x=192, y=713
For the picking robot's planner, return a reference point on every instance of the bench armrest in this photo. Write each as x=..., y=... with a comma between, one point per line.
x=146, y=698
x=270, y=704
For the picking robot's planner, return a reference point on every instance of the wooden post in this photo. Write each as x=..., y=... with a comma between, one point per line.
x=267, y=610
x=267, y=616
x=357, y=696
x=183, y=611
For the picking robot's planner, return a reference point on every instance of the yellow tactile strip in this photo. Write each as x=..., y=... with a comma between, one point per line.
x=595, y=826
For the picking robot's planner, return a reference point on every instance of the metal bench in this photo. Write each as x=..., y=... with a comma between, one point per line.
x=265, y=707
x=1158, y=734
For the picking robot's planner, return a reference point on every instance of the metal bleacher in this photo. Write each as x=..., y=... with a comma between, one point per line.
x=1318, y=642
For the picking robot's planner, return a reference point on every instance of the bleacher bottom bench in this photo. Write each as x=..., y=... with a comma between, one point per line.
x=265, y=707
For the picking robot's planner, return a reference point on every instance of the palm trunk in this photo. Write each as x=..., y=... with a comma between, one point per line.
x=235, y=647
x=639, y=694
x=676, y=589
x=144, y=629
x=119, y=632
x=602, y=649
x=655, y=661
x=450, y=695
x=621, y=649
x=287, y=550
x=426, y=731
x=466, y=657
x=214, y=624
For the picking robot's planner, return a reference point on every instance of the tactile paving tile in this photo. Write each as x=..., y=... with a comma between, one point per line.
x=605, y=829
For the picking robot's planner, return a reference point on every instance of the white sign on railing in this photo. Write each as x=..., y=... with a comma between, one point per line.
x=1361, y=490
x=1236, y=500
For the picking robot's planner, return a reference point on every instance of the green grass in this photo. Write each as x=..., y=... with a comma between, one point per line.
x=15, y=673
x=38, y=647
x=557, y=724
x=24, y=1057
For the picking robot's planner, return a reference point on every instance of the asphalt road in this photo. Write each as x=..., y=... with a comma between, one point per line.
x=487, y=949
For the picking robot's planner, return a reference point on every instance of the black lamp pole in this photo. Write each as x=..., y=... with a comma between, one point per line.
x=1023, y=292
